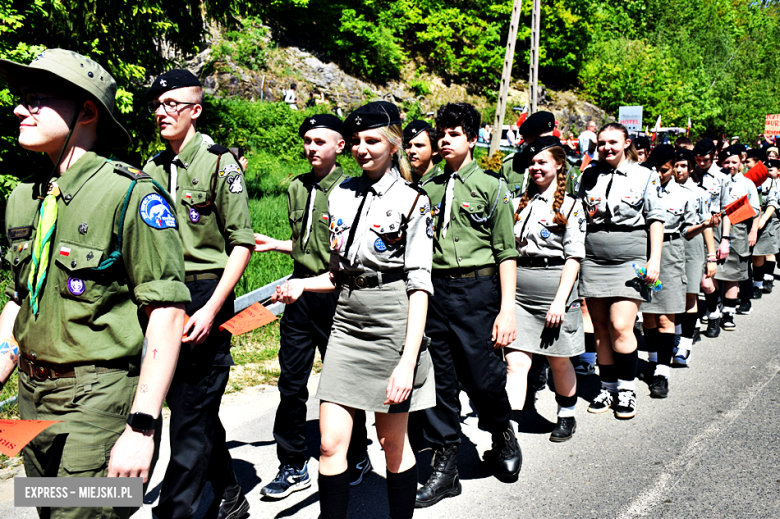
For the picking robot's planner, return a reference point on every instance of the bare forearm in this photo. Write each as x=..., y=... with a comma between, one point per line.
x=234, y=269
x=8, y=318
x=163, y=340
x=507, y=276
x=656, y=240
x=415, y=325
x=9, y=350
x=323, y=283
x=726, y=227
x=709, y=240
x=568, y=278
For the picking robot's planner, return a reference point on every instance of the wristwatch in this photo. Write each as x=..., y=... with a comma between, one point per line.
x=141, y=422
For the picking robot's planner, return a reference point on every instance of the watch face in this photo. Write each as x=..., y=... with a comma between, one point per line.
x=141, y=421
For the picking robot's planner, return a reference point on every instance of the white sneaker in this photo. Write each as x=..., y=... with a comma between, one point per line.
x=681, y=357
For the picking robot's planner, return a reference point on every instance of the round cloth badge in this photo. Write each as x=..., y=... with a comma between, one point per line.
x=76, y=286
x=156, y=213
x=194, y=215
x=379, y=245
x=544, y=233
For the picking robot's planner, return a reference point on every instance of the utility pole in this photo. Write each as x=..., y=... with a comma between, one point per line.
x=506, y=77
x=533, y=72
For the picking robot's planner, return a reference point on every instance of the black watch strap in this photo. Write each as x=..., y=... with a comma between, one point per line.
x=141, y=421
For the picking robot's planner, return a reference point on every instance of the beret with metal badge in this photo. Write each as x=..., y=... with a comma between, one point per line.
x=704, y=147
x=537, y=123
x=415, y=128
x=329, y=121
x=376, y=114
x=171, y=80
x=660, y=155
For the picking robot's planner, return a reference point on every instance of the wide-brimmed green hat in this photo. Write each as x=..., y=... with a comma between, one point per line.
x=57, y=65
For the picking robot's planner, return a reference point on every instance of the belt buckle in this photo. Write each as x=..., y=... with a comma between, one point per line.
x=361, y=281
x=453, y=276
x=38, y=373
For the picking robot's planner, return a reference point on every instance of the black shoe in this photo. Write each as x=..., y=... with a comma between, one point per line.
x=232, y=505
x=659, y=387
x=696, y=335
x=768, y=285
x=745, y=308
x=564, y=430
x=757, y=292
x=358, y=470
x=506, y=456
x=444, y=480
x=649, y=372
x=727, y=322
x=713, y=328
x=625, y=407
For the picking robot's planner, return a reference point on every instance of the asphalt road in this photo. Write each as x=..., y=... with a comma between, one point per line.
x=709, y=450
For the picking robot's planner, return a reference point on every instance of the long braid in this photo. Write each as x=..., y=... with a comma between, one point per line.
x=522, y=203
x=560, y=195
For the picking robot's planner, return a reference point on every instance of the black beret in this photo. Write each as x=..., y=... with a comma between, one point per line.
x=171, y=80
x=704, y=147
x=773, y=163
x=684, y=154
x=329, y=121
x=376, y=114
x=533, y=149
x=540, y=122
x=736, y=149
x=641, y=143
x=754, y=153
x=415, y=128
x=660, y=155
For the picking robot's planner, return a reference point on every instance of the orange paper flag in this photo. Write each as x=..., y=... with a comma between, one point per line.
x=250, y=319
x=739, y=210
x=585, y=162
x=15, y=434
x=758, y=174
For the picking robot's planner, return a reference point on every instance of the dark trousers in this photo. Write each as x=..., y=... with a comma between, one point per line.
x=305, y=327
x=198, y=450
x=460, y=324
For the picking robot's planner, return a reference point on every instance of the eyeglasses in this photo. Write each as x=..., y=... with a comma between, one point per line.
x=32, y=102
x=170, y=107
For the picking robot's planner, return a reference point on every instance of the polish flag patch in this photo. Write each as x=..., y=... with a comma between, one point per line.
x=376, y=225
x=465, y=205
x=64, y=251
x=324, y=216
x=188, y=195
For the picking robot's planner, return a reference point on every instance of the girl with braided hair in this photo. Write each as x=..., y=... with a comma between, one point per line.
x=550, y=237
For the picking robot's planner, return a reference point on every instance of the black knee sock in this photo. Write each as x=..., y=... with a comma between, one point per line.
x=565, y=401
x=590, y=342
x=729, y=304
x=688, y=325
x=334, y=495
x=607, y=373
x=651, y=339
x=665, y=348
x=712, y=301
x=769, y=268
x=625, y=365
x=401, y=493
x=746, y=289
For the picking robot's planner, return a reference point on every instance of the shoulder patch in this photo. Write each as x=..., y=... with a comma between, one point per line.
x=229, y=169
x=129, y=171
x=156, y=213
x=218, y=149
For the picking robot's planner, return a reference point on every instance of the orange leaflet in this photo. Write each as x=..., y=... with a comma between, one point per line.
x=585, y=162
x=758, y=174
x=739, y=210
x=15, y=434
x=250, y=319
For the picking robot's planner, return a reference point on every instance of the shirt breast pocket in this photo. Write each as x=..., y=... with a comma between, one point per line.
x=475, y=210
x=18, y=256
x=388, y=228
x=296, y=218
x=75, y=276
x=199, y=208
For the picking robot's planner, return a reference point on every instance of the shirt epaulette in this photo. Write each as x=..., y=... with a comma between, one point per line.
x=492, y=173
x=218, y=149
x=129, y=171
x=350, y=179
x=509, y=157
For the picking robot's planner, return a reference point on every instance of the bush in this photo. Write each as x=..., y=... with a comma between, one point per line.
x=246, y=47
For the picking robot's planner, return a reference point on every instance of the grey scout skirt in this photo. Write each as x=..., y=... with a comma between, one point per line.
x=735, y=268
x=671, y=298
x=365, y=346
x=695, y=263
x=606, y=270
x=536, y=289
x=766, y=243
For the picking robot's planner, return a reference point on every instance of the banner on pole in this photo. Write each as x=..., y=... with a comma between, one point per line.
x=772, y=126
x=631, y=117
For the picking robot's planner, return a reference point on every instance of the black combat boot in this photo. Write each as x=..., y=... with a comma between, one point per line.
x=444, y=480
x=231, y=503
x=506, y=456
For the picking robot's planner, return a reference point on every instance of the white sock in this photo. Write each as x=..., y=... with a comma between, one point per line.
x=626, y=385
x=662, y=370
x=769, y=277
x=715, y=314
x=686, y=343
x=677, y=329
x=683, y=351
x=639, y=316
x=698, y=323
x=729, y=309
x=652, y=356
x=588, y=357
x=611, y=386
x=758, y=284
x=566, y=412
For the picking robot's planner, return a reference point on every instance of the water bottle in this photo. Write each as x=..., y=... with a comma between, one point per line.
x=641, y=272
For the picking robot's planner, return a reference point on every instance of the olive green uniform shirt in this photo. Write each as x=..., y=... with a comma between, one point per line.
x=208, y=234
x=85, y=315
x=481, y=228
x=435, y=170
x=516, y=181
x=312, y=258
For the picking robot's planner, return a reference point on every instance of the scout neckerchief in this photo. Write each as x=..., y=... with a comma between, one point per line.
x=449, y=195
x=42, y=245
x=306, y=224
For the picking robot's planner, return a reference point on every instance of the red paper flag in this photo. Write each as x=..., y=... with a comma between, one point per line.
x=585, y=162
x=15, y=434
x=250, y=319
x=739, y=210
x=758, y=174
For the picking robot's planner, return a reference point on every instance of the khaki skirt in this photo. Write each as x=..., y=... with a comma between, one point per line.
x=735, y=267
x=536, y=289
x=671, y=298
x=695, y=263
x=607, y=268
x=365, y=346
x=766, y=243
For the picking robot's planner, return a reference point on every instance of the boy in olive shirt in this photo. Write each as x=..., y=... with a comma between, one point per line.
x=472, y=313
x=306, y=324
x=79, y=249
x=206, y=184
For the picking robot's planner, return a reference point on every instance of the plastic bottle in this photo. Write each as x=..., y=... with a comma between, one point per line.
x=641, y=272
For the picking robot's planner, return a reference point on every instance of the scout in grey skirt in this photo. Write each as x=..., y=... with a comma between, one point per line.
x=607, y=269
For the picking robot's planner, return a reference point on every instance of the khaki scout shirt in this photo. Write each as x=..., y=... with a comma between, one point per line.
x=87, y=315
x=207, y=234
x=388, y=203
x=536, y=234
x=679, y=207
x=702, y=200
x=312, y=259
x=481, y=221
x=712, y=181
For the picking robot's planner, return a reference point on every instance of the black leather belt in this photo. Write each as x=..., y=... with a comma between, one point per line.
x=672, y=236
x=464, y=273
x=540, y=262
x=370, y=279
x=600, y=227
x=201, y=276
x=41, y=371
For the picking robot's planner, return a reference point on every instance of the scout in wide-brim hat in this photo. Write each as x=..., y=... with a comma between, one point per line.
x=54, y=67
